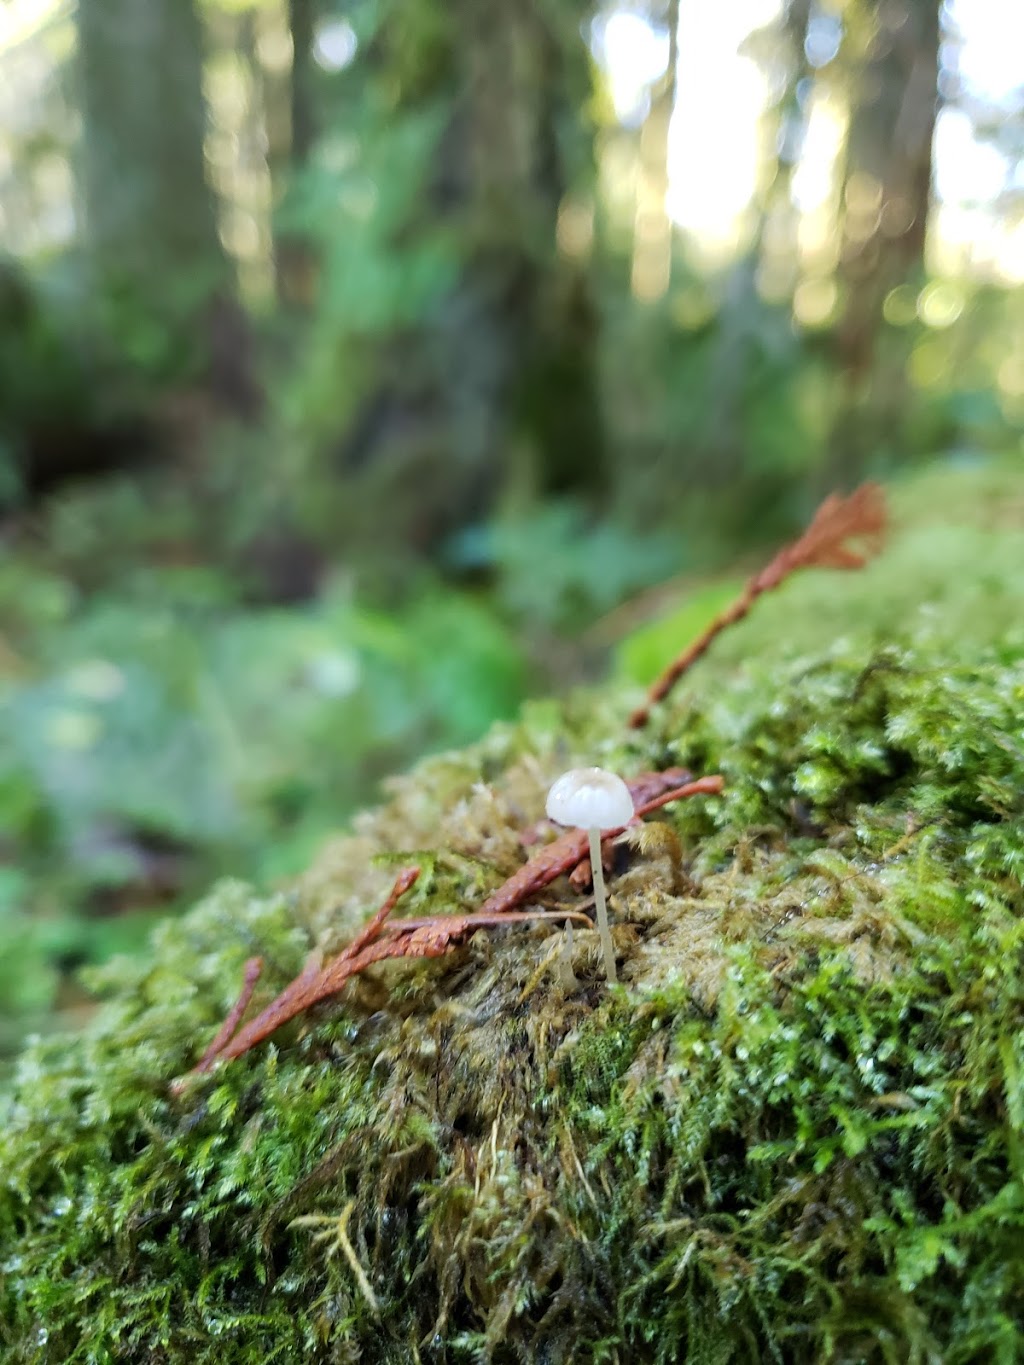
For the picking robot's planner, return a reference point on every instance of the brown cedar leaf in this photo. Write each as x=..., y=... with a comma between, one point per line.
x=826, y=544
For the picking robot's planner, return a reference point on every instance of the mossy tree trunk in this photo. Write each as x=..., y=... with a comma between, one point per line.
x=294, y=256
x=520, y=65
x=886, y=200
x=150, y=224
x=498, y=386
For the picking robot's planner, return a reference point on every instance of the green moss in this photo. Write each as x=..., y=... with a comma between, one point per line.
x=794, y=1133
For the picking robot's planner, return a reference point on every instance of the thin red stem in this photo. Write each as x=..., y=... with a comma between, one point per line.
x=861, y=516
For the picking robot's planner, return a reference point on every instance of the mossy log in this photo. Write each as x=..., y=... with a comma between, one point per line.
x=794, y=1133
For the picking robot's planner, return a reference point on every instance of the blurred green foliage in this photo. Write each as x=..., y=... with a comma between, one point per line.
x=154, y=735
x=352, y=206
x=552, y=566
x=213, y=726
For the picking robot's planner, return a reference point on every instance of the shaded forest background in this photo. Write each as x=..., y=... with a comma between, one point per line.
x=365, y=367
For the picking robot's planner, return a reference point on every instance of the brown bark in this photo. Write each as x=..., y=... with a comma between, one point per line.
x=150, y=224
x=295, y=261
x=499, y=385
x=887, y=189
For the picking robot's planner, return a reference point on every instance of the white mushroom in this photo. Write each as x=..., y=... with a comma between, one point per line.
x=594, y=800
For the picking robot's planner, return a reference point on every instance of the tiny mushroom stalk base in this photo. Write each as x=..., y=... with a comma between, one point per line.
x=594, y=800
x=600, y=901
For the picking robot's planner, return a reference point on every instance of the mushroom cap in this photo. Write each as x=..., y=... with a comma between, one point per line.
x=590, y=798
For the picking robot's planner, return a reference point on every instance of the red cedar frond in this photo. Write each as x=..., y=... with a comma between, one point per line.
x=859, y=518
x=434, y=935
x=429, y=937
x=404, y=882
x=253, y=970
x=311, y=985
x=844, y=534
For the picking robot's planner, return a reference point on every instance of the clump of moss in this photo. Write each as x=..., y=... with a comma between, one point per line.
x=794, y=1133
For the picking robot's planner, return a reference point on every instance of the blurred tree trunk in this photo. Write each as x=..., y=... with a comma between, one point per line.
x=653, y=229
x=294, y=259
x=150, y=220
x=499, y=388
x=886, y=200
x=779, y=220
x=535, y=311
x=722, y=452
x=302, y=24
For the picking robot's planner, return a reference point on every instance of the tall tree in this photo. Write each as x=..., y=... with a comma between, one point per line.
x=523, y=77
x=653, y=231
x=301, y=25
x=291, y=115
x=149, y=213
x=893, y=49
x=746, y=352
x=497, y=382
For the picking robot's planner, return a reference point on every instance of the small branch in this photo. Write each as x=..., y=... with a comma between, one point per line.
x=404, y=882
x=253, y=971
x=859, y=517
x=431, y=937
x=478, y=919
x=298, y=995
x=702, y=786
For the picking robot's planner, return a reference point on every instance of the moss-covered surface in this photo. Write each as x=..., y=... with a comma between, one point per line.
x=794, y=1133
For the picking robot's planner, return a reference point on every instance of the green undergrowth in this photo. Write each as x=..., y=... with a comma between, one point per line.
x=794, y=1133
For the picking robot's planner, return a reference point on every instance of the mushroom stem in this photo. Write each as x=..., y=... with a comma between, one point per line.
x=607, y=947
